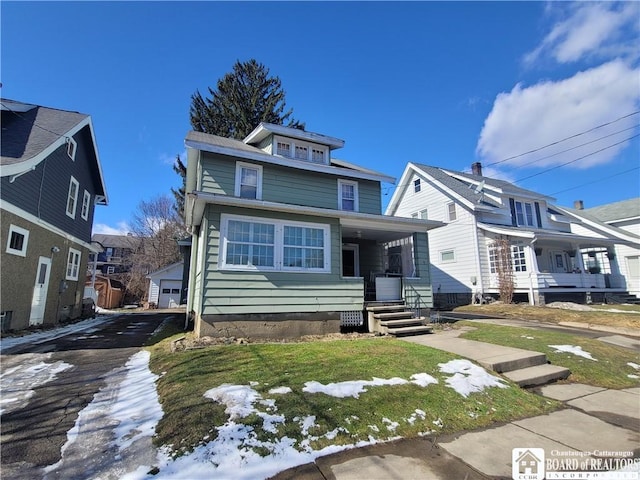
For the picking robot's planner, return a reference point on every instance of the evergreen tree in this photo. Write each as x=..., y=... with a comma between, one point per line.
x=181, y=169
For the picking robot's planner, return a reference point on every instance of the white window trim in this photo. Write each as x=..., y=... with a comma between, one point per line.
x=73, y=262
x=86, y=203
x=239, y=167
x=278, y=245
x=72, y=182
x=448, y=212
x=449, y=250
x=356, y=204
x=300, y=143
x=72, y=147
x=417, y=185
x=523, y=205
x=25, y=234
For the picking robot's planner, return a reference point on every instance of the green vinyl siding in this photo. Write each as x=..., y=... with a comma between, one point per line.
x=238, y=292
x=287, y=185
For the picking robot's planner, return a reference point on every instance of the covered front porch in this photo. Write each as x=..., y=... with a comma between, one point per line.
x=550, y=265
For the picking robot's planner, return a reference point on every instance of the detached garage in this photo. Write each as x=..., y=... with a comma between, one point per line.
x=165, y=286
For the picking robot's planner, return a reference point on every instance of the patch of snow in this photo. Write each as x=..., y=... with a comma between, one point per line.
x=469, y=378
x=423, y=379
x=17, y=383
x=417, y=414
x=527, y=337
x=352, y=388
x=633, y=376
x=634, y=365
x=575, y=350
x=391, y=425
x=280, y=391
x=239, y=399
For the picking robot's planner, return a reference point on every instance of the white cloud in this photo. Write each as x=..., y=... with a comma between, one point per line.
x=167, y=159
x=527, y=118
x=590, y=29
x=121, y=229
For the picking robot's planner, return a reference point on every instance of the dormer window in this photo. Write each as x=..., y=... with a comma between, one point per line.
x=71, y=148
x=302, y=153
x=301, y=150
x=284, y=149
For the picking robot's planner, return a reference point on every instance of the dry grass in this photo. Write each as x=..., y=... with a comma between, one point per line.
x=556, y=315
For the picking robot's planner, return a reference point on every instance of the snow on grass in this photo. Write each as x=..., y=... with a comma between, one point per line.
x=17, y=383
x=575, y=350
x=469, y=378
x=635, y=366
x=352, y=388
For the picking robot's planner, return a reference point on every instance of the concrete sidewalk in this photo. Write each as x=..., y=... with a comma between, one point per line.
x=595, y=424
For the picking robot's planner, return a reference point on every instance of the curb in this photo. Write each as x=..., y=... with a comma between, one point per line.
x=634, y=332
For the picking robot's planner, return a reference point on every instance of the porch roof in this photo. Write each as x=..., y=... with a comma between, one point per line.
x=382, y=228
x=581, y=241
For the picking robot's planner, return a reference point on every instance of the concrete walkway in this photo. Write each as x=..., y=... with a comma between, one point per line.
x=597, y=430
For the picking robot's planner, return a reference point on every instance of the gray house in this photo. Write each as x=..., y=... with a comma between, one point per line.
x=51, y=180
x=287, y=240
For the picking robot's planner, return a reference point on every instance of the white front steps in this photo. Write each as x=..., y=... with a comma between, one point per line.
x=393, y=318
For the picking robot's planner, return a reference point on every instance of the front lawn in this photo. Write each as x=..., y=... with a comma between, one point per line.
x=609, y=368
x=248, y=374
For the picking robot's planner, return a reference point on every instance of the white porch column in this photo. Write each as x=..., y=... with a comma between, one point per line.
x=532, y=264
x=578, y=258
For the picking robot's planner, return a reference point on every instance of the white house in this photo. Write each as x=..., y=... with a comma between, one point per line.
x=620, y=221
x=550, y=258
x=165, y=286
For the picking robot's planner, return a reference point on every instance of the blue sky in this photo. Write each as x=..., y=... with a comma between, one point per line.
x=440, y=83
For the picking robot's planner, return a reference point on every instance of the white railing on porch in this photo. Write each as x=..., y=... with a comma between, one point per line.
x=541, y=280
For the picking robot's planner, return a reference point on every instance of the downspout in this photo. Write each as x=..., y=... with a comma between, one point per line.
x=192, y=263
x=478, y=263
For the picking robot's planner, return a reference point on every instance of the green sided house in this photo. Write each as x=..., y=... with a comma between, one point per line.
x=287, y=240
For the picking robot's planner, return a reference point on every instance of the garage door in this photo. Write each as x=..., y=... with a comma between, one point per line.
x=169, y=293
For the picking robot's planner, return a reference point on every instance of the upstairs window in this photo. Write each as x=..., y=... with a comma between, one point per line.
x=302, y=153
x=86, y=202
x=248, y=181
x=416, y=185
x=451, y=212
x=317, y=156
x=301, y=150
x=72, y=146
x=72, y=198
x=348, y=195
x=524, y=214
x=17, y=241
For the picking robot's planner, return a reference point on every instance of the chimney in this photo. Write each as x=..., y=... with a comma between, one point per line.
x=476, y=169
x=578, y=205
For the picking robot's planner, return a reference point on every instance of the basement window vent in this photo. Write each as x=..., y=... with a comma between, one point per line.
x=351, y=318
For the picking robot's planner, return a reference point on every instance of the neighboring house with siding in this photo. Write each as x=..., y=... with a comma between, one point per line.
x=51, y=180
x=621, y=222
x=287, y=240
x=549, y=260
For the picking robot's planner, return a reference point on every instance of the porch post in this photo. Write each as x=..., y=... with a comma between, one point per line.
x=578, y=257
x=533, y=271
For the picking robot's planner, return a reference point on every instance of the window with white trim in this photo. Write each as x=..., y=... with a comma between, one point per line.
x=72, y=197
x=451, y=212
x=348, y=195
x=248, y=243
x=301, y=150
x=416, y=185
x=447, y=256
x=423, y=214
x=517, y=258
x=72, y=146
x=317, y=155
x=248, y=181
x=73, y=264
x=524, y=214
x=17, y=241
x=283, y=148
x=86, y=202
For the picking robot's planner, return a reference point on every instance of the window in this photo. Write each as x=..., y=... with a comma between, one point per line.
x=72, y=198
x=248, y=181
x=447, y=256
x=73, y=264
x=302, y=152
x=86, y=201
x=17, y=240
x=348, y=195
x=72, y=146
x=284, y=149
x=250, y=244
x=317, y=156
x=111, y=270
x=416, y=185
x=524, y=214
x=414, y=215
x=423, y=214
x=451, y=211
x=517, y=258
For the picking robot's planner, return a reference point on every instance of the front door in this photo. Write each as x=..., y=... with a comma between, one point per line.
x=39, y=300
x=558, y=262
x=350, y=260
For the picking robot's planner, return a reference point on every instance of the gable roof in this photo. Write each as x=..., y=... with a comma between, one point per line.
x=30, y=133
x=228, y=146
x=611, y=212
x=463, y=185
x=591, y=221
